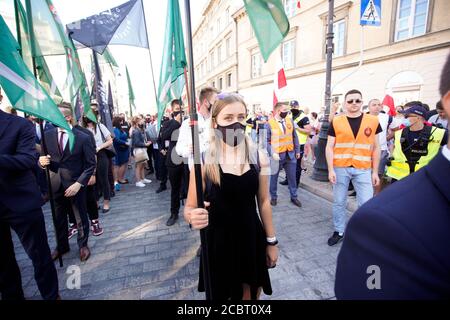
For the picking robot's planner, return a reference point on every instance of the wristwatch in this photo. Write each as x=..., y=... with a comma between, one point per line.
x=272, y=241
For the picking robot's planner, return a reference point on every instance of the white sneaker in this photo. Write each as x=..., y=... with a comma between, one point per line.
x=140, y=184
x=146, y=181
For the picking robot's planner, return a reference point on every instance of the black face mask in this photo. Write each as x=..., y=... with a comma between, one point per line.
x=236, y=132
x=295, y=112
x=283, y=114
x=176, y=113
x=141, y=125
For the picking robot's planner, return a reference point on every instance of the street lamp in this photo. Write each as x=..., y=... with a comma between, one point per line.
x=320, y=172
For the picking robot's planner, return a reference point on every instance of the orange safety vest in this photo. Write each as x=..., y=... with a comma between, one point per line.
x=350, y=151
x=280, y=141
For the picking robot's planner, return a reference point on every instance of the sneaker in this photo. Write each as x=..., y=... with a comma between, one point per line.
x=140, y=184
x=146, y=181
x=284, y=182
x=72, y=230
x=335, y=238
x=117, y=186
x=273, y=202
x=296, y=202
x=96, y=229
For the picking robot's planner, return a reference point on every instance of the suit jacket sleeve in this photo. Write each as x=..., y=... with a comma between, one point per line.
x=375, y=238
x=89, y=160
x=25, y=157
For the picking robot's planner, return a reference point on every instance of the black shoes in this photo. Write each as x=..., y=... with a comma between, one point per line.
x=161, y=189
x=284, y=183
x=296, y=202
x=173, y=218
x=273, y=202
x=335, y=238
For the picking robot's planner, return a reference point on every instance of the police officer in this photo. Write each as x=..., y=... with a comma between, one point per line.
x=415, y=145
x=303, y=129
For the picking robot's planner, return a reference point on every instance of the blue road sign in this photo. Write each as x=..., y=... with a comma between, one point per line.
x=370, y=13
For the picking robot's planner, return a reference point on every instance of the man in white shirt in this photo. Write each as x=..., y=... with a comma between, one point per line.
x=440, y=119
x=386, y=122
x=207, y=98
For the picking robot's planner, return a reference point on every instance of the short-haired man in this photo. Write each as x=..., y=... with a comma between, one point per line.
x=284, y=148
x=397, y=244
x=353, y=154
x=440, y=119
x=71, y=171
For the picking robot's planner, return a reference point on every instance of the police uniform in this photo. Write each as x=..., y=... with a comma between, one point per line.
x=414, y=150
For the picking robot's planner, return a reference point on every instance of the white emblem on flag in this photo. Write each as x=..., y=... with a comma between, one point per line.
x=21, y=83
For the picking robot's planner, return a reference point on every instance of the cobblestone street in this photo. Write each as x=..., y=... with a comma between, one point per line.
x=138, y=257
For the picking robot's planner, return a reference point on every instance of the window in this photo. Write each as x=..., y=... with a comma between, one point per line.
x=288, y=54
x=289, y=7
x=256, y=65
x=411, y=19
x=219, y=26
x=339, y=38
x=227, y=46
x=219, y=54
x=212, y=60
x=213, y=84
x=220, y=83
x=229, y=80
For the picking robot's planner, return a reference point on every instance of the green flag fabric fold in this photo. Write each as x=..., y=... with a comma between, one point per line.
x=171, y=80
x=130, y=92
x=22, y=88
x=270, y=23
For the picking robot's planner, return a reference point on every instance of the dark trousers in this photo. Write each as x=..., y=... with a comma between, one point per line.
x=30, y=227
x=185, y=186
x=103, y=175
x=110, y=175
x=77, y=205
x=91, y=205
x=162, y=169
x=150, y=156
x=155, y=155
x=298, y=170
x=176, y=176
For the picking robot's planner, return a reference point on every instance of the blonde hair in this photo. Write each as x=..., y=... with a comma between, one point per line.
x=212, y=156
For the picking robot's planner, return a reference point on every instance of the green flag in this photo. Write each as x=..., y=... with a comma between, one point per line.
x=109, y=58
x=270, y=23
x=43, y=70
x=130, y=92
x=171, y=80
x=22, y=88
x=49, y=35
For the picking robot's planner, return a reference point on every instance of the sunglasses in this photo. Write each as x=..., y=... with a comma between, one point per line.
x=354, y=101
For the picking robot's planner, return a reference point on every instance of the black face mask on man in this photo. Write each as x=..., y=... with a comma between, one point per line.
x=232, y=134
x=283, y=114
x=295, y=112
x=175, y=114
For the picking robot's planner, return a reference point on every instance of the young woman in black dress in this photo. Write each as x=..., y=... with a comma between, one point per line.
x=238, y=220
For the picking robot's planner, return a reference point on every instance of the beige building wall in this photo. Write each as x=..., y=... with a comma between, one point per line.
x=216, y=32
x=407, y=69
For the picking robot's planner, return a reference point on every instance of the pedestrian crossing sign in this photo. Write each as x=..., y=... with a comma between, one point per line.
x=370, y=13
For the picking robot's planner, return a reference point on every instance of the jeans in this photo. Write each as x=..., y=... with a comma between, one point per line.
x=362, y=181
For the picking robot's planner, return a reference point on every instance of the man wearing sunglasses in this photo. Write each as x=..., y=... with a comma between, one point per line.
x=417, y=144
x=353, y=154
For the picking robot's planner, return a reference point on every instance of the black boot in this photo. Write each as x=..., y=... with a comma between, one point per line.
x=161, y=189
x=173, y=218
x=284, y=183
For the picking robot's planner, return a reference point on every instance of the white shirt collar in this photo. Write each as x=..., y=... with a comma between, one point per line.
x=446, y=152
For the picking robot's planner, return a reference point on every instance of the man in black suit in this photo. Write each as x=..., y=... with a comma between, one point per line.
x=20, y=209
x=174, y=163
x=397, y=244
x=71, y=171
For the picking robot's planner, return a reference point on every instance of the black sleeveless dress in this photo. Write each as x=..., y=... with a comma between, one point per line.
x=236, y=238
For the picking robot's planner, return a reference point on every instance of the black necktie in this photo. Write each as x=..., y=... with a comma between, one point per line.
x=282, y=124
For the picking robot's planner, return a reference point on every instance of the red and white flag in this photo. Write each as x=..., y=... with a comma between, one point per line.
x=279, y=82
x=388, y=101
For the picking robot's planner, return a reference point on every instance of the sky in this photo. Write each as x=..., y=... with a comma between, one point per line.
x=136, y=59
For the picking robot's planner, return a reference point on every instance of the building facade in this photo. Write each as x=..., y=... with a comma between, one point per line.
x=403, y=57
